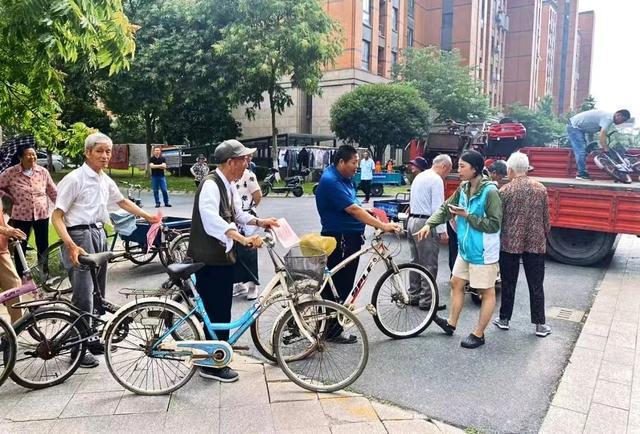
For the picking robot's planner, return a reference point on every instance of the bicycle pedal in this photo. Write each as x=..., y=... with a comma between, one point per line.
x=372, y=310
x=240, y=347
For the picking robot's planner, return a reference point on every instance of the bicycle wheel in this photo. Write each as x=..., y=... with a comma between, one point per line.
x=327, y=365
x=50, y=274
x=8, y=347
x=50, y=346
x=138, y=254
x=133, y=333
x=178, y=248
x=263, y=327
x=607, y=165
x=394, y=317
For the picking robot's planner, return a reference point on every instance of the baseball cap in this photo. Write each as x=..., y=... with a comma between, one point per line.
x=420, y=163
x=499, y=167
x=231, y=149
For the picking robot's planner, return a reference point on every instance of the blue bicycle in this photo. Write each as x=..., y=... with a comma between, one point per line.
x=154, y=345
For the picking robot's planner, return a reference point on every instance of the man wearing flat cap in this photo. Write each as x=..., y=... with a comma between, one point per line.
x=217, y=210
x=427, y=194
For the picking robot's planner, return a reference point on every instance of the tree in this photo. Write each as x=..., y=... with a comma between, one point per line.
x=38, y=37
x=444, y=82
x=589, y=103
x=378, y=115
x=175, y=87
x=273, y=40
x=542, y=125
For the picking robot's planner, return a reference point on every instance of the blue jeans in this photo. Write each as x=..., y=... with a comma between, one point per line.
x=159, y=183
x=578, y=142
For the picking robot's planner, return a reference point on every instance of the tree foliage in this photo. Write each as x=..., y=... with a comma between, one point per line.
x=379, y=115
x=271, y=41
x=444, y=82
x=589, y=103
x=37, y=39
x=542, y=125
x=175, y=88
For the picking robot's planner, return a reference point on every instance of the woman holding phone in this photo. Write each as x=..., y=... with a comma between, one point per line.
x=477, y=210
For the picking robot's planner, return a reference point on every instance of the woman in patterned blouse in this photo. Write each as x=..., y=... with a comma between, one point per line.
x=30, y=188
x=200, y=170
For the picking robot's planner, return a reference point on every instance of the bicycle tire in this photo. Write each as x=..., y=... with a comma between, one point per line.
x=605, y=164
x=322, y=318
x=74, y=326
x=9, y=349
x=114, y=339
x=136, y=253
x=178, y=248
x=262, y=329
x=422, y=323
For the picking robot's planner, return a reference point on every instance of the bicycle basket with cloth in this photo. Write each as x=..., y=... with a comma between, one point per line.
x=305, y=267
x=123, y=223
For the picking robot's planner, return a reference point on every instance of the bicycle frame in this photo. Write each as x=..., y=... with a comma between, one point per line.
x=26, y=288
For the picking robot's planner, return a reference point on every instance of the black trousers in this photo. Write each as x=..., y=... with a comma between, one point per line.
x=534, y=271
x=41, y=232
x=343, y=280
x=365, y=186
x=453, y=245
x=215, y=286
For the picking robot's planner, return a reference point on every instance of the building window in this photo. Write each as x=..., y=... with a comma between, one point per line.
x=366, y=54
x=394, y=58
x=411, y=8
x=446, y=30
x=366, y=12
x=394, y=19
x=409, y=37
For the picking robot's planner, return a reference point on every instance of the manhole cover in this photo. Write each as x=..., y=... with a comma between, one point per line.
x=566, y=314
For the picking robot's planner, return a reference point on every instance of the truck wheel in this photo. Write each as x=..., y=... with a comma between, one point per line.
x=315, y=187
x=579, y=247
x=297, y=191
x=377, y=190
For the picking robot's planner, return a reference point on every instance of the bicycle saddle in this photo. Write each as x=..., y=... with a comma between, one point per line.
x=96, y=259
x=183, y=271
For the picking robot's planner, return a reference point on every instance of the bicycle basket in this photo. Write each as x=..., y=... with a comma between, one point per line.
x=305, y=267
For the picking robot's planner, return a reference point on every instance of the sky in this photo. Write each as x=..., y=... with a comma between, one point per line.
x=615, y=71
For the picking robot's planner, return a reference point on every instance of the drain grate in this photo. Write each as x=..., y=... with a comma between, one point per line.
x=565, y=314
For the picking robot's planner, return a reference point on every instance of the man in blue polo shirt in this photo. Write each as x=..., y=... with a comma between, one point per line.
x=344, y=219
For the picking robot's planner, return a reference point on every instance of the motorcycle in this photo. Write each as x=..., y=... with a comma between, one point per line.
x=292, y=184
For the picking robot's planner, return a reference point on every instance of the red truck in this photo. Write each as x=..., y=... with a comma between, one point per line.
x=586, y=216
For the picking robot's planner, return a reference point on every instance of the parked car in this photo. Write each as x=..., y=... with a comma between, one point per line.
x=58, y=161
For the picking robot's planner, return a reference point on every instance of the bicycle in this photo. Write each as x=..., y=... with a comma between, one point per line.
x=133, y=192
x=8, y=339
x=160, y=343
x=391, y=302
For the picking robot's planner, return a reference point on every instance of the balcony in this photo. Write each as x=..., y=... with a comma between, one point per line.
x=502, y=21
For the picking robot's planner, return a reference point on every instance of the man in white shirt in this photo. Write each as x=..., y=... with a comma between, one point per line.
x=366, y=175
x=79, y=217
x=590, y=122
x=217, y=213
x=427, y=195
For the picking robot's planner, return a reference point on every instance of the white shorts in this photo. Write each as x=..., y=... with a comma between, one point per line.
x=479, y=276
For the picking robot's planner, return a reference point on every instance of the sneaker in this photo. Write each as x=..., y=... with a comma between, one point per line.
x=543, y=330
x=252, y=291
x=472, y=341
x=157, y=205
x=88, y=361
x=224, y=375
x=503, y=324
x=239, y=289
x=584, y=177
x=168, y=205
x=342, y=339
x=444, y=325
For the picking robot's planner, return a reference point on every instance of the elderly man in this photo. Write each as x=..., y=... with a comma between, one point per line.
x=344, y=219
x=525, y=225
x=217, y=209
x=497, y=171
x=367, y=167
x=427, y=195
x=590, y=122
x=79, y=217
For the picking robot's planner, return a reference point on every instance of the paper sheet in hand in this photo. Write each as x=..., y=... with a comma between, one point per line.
x=285, y=234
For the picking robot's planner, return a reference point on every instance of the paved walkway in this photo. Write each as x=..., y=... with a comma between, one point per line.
x=600, y=389
x=262, y=401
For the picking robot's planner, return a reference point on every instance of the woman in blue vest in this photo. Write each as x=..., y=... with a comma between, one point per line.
x=477, y=209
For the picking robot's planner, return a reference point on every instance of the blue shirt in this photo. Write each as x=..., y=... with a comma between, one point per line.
x=334, y=194
x=366, y=169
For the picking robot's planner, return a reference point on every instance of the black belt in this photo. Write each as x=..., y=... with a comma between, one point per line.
x=420, y=216
x=85, y=227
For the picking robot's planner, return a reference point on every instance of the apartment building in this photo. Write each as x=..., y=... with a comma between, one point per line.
x=565, y=68
x=586, y=24
x=546, y=60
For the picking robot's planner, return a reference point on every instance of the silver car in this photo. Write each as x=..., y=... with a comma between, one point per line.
x=58, y=161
